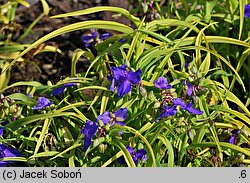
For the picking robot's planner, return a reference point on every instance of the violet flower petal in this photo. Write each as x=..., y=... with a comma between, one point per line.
x=7, y=152
x=167, y=111
x=112, y=86
x=134, y=77
x=121, y=114
x=130, y=149
x=105, y=36
x=123, y=88
x=119, y=72
x=162, y=83
x=89, y=131
x=57, y=91
x=1, y=130
x=140, y=153
x=192, y=110
x=42, y=102
x=247, y=11
x=232, y=140
x=104, y=117
x=180, y=102
x=190, y=89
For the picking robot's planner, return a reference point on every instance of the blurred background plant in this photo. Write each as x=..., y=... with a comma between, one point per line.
x=170, y=88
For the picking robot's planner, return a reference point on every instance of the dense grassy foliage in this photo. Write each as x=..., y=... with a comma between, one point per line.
x=170, y=90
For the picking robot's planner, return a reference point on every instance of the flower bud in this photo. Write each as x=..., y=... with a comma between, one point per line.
x=143, y=91
x=1, y=96
x=107, y=127
x=2, y=114
x=13, y=109
x=151, y=96
x=6, y=111
x=157, y=104
x=6, y=103
x=96, y=142
x=126, y=62
x=100, y=123
x=194, y=70
x=49, y=83
x=102, y=147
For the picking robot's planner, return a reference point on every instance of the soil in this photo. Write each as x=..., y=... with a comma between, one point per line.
x=48, y=66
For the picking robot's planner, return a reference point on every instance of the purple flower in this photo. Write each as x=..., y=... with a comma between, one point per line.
x=233, y=139
x=162, y=83
x=180, y=102
x=90, y=127
x=124, y=79
x=90, y=38
x=105, y=117
x=118, y=117
x=247, y=11
x=93, y=38
x=167, y=111
x=60, y=90
x=89, y=131
x=137, y=155
x=42, y=102
x=7, y=152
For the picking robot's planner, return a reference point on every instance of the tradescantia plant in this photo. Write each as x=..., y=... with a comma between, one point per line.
x=163, y=96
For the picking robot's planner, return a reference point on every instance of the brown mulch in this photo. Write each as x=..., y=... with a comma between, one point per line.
x=54, y=66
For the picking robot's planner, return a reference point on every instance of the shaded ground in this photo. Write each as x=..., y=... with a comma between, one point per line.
x=54, y=65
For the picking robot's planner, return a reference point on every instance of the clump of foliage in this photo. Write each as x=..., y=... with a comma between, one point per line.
x=171, y=91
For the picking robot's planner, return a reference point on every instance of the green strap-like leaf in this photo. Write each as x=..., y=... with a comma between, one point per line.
x=119, y=10
x=24, y=121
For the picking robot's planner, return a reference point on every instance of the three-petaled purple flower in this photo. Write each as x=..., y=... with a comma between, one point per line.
x=140, y=154
x=247, y=11
x=116, y=118
x=94, y=37
x=7, y=152
x=106, y=117
x=124, y=79
x=42, y=102
x=171, y=111
x=60, y=90
x=162, y=83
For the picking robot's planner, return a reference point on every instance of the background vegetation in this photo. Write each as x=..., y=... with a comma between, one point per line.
x=169, y=87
